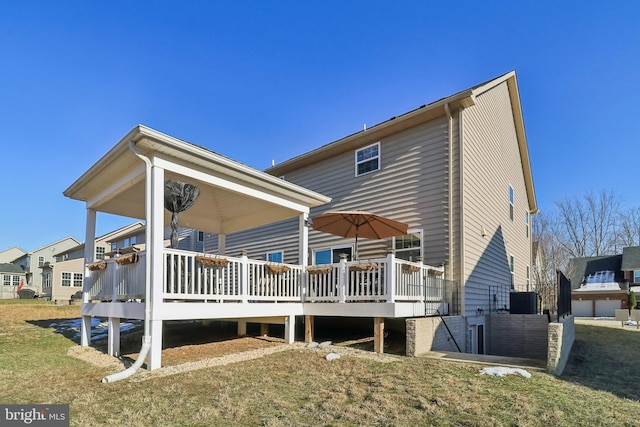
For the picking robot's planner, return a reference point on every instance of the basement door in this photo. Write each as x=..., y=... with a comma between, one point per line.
x=476, y=339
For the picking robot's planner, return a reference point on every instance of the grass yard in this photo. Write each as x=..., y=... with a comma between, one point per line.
x=299, y=387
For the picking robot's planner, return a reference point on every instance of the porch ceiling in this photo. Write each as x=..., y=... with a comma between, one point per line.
x=233, y=196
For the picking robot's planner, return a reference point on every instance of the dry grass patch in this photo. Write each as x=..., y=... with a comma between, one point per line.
x=299, y=387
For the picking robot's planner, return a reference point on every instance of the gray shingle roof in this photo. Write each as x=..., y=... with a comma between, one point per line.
x=631, y=258
x=10, y=268
x=579, y=268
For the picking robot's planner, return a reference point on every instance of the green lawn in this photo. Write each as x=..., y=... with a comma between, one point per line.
x=301, y=388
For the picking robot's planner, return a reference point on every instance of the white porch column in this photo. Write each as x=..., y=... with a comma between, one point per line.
x=303, y=253
x=289, y=329
x=303, y=240
x=155, y=249
x=89, y=253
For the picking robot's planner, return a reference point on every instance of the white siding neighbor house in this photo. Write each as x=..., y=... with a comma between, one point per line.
x=456, y=171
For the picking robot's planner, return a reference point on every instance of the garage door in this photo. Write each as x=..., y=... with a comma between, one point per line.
x=582, y=308
x=607, y=308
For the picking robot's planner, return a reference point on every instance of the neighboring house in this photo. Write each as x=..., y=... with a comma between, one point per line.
x=188, y=240
x=457, y=171
x=11, y=254
x=11, y=275
x=63, y=277
x=36, y=262
x=600, y=285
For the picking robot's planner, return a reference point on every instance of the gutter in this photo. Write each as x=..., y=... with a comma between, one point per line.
x=146, y=338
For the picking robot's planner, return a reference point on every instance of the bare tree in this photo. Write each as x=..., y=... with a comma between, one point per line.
x=588, y=226
x=629, y=228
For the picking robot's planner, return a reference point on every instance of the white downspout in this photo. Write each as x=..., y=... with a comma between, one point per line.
x=146, y=339
x=449, y=268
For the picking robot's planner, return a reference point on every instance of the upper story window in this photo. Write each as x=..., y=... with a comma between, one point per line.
x=40, y=261
x=409, y=246
x=511, y=202
x=100, y=251
x=527, y=222
x=275, y=256
x=636, y=276
x=368, y=159
x=512, y=267
x=200, y=236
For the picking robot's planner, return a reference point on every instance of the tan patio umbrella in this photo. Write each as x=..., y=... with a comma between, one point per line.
x=358, y=224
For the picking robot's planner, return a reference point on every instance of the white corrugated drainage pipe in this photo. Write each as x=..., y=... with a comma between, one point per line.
x=146, y=339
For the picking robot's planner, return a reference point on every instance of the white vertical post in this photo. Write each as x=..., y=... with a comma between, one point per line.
x=343, y=278
x=89, y=251
x=303, y=253
x=244, y=276
x=113, y=338
x=391, y=277
x=289, y=329
x=155, y=250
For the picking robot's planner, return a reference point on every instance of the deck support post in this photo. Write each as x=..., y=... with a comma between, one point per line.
x=154, y=358
x=378, y=334
x=85, y=331
x=289, y=329
x=113, y=337
x=308, y=328
x=242, y=328
x=264, y=329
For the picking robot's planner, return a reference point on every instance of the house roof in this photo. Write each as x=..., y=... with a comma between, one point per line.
x=579, y=268
x=10, y=268
x=630, y=258
x=47, y=246
x=233, y=196
x=112, y=234
x=463, y=99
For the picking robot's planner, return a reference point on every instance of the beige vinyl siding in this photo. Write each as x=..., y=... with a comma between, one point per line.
x=492, y=163
x=411, y=186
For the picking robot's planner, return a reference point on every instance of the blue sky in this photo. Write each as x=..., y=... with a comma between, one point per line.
x=260, y=81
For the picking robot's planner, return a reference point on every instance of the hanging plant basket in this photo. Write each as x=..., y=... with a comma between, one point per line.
x=408, y=268
x=209, y=262
x=363, y=267
x=127, y=259
x=318, y=270
x=276, y=269
x=433, y=272
x=94, y=266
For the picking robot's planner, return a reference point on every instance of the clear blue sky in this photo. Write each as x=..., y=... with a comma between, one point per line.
x=257, y=81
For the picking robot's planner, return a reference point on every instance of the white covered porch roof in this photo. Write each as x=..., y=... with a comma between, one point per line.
x=233, y=196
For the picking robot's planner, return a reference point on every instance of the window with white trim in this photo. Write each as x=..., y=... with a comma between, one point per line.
x=66, y=279
x=200, y=236
x=11, y=280
x=527, y=222
x=275, y=256
x=332, y=255
x=40, y=261
x=368, y=159
x=409, y=246
x=77, y=279
x=100, y=251
x=636, y=276
x=511, y=202
x=528, y=277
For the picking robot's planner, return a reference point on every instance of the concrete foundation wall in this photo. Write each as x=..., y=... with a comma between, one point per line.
x=517, y=335
x=426, y=334
x=561, y=337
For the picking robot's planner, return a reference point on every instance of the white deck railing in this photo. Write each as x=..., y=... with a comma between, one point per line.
x=190, y=276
